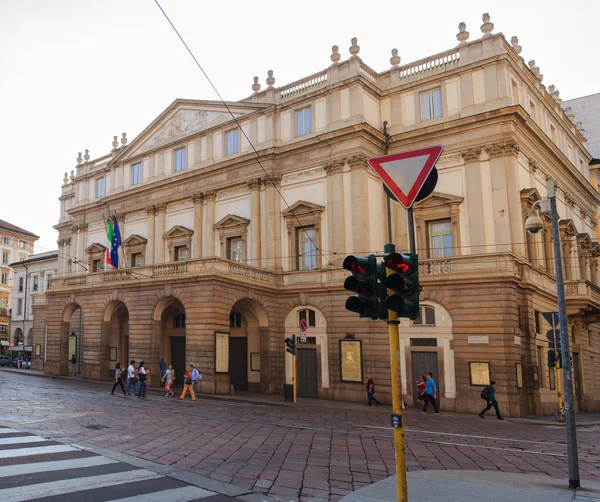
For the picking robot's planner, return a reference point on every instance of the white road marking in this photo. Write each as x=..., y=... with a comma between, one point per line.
x=55, y=465
x=22, y=439
x=8, y=431
x=54, y=488
x=37, y=450
x=175, y=495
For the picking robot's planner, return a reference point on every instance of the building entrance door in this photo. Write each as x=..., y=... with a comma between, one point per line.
x=306, y=368
x=423, y=362
x=238, y=362
x=178, y=357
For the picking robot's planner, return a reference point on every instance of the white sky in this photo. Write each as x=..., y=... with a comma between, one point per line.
x=74, y=73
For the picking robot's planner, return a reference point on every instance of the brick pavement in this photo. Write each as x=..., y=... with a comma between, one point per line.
x=294, y=453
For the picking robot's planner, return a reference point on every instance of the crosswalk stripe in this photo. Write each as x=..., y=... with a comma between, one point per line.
x=37, y=450
x=54, y=488
x=183, y=494
x=55, y=465
x=22, y=439
x=8, y=430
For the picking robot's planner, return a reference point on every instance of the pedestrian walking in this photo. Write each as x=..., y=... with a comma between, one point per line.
x=430, y=394
x=489, y=394
x=371, y=391
x=131, y=378
x=162, y=367
x=118, y=380
x=196, y=376
x=421, y=389
x=142, y=376
x=168, y=380
x=73, y=365
x=187, y=384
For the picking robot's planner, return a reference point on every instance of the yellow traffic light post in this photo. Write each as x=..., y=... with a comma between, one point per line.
x=290, y=346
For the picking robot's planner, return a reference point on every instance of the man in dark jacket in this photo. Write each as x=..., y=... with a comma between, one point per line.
x=371, y=391
x=491, y=401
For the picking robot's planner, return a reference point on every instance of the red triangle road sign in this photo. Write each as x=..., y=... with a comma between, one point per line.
x=405, y=173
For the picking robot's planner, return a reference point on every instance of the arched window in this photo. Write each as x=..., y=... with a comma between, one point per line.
x=309, y=316
x=235, y=319
x=426, y=316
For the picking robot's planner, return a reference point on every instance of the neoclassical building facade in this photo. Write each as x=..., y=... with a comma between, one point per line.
x=235, y=226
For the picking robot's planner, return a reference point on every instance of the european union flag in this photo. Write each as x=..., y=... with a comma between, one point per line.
x=115, y=244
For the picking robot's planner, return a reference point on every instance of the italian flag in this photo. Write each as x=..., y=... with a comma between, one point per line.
x=110, y=234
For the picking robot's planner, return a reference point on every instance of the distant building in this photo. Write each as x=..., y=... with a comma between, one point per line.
x=15, y=244
x=31, y=279
x=587, y=111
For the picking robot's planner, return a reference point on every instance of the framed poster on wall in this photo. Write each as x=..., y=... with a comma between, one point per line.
x=221, y=352
x=351, y=361
x=519, y=368
x=113, y=353
x=480, y=373
x=38, y=350
x=255, y=361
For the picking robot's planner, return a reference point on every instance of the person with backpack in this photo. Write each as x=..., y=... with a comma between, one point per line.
x=430, y=394
x=118, y=380
x=489, y=394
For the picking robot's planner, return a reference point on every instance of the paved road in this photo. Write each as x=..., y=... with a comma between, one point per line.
x=303, y=452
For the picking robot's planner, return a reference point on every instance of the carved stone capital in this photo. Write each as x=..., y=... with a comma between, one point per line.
x=151, y=210
x=503, y=148
x=198, y=198
x=254, y=184
x=471, y=154
x=161, y=207
x=210, y=196
x=273, y=179
x=534, y=166
x=334, y=167
x=357, y=161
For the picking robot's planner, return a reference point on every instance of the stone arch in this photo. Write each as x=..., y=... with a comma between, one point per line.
x=72, y=338
x=114, y=337
x=163, y=303
x=28, y=340
x=169, y=336
x=18, y=336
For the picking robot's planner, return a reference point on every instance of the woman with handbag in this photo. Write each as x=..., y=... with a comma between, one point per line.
x=142, y=375
x=187, y=384
x=118, y=380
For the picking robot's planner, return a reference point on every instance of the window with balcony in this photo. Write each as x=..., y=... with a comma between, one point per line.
x=431, y=104
x=309, y=316
x=235, y=249
x=303, y=221
x=137, y=173
x=232, y=231
x=306, y=248
x=181, y=253
x=232, y=142
x=137, y=260
x=5, y=257
x=304, y=121
x=36, y=283
x=21, y=282
x=97, y=265
x=100, y=188
x=440, y=239
x=180, y=159
x=426, y=316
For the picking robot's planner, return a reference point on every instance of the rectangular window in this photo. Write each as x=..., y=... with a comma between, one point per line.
x=515, y=92
x=3, y=329
x=6, y=239
x=4, y=278
x=553, y=133
x=232, y=142
x=304, y=121
x=180, y=159
x=21, y=284
x=48, y=284
x=179, y=321
x=181, y=253
x=20, y=306
x=137, y=260
x=431, y=104
x=23, y=244
x=307, y=315
x=532, y=111
x=440, y=239
x=537, y=316
x=5, y=257
x=306, y=251
x=235, y=320
x=542, y=364
x=99, y=188
x=235, y=248
x=36, y=283
x=96, y=266
x=137, y=173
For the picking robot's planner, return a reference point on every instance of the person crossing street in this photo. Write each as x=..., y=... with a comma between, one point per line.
x=489, y=394
x=430, y=394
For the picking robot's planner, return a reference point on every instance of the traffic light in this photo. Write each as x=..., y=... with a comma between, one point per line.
x=290, y=345
x=551, y=359
x=364, y=282
x=404, y=282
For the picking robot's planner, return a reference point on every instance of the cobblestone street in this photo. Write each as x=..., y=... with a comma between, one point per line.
x=306, y=452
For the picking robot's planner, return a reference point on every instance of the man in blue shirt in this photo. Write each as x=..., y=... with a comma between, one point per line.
x=162, y=367
x=195, y=377
x=430, y=394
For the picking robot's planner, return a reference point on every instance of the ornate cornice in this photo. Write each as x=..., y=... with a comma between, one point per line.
x=471, y=154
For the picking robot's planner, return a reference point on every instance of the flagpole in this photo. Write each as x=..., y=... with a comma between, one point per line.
x=106, y=229
x=123, y=246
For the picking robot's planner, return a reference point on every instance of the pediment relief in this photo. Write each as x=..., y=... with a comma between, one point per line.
x=95, y=248
x=178, y=231
x=302, y=207
x=595, y=248
x=437, y=199
x=231, y=220
x=568, y=227
x=584, y=240
x=530, y=195
x=134, y=240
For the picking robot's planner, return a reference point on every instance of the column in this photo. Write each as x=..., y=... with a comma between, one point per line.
x=270, y=235
x=150, y=235
x=210, y=222
x=277, y=221
x=61, y=253
x=254, y=258
x=359, y=204
x=198, y=227
x=474, y=200
x=335, y=211
x=66, y=254
x=161, y=209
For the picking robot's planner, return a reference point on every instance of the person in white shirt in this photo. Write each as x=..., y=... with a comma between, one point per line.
x=142, y=377
x=131, y=378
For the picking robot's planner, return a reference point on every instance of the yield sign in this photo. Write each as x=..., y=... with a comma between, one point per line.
x=405, y=173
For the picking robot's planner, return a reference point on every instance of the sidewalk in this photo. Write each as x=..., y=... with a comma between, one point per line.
x=458, y=486
x=582, y=420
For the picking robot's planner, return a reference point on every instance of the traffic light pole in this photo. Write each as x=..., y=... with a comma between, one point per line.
x=572, y=457
x=557, y=373
x=411, y=230
x=294, y=377
x=399, y=445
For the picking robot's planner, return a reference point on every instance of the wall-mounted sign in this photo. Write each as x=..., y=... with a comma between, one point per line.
x=221, y=352
x=479, y=339
x=480, y=373
x=351, y=361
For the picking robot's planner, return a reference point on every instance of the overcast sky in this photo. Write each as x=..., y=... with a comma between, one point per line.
x=74, y=73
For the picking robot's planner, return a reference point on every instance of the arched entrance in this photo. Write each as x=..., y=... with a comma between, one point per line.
x=312, y=354
x=247, y=320
x=18, y=337
x=169, y=334
x=72, y=335
x=115, y=338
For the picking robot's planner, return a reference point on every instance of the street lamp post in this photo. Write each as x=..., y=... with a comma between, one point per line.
x=533, y=226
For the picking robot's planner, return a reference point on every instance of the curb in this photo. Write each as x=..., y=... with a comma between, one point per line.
x=532, y=421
